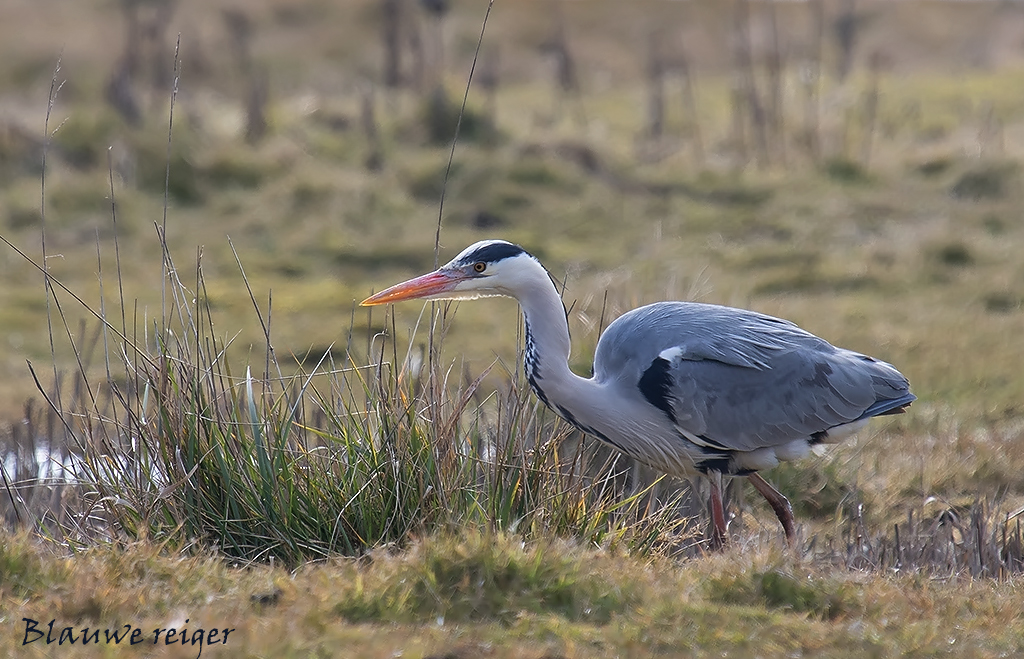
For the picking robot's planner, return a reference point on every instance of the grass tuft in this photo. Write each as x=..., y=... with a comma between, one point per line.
x=236, y=171
x=24, y=569
x=440, y=115
x=991, y=181
x=955, y=254
x=80, y=141
x=181, y=445
x=843, y=170
x=486, y=577
x=777, y=589
x=934, y=167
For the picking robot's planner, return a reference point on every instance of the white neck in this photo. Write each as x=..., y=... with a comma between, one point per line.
x=597, y=407
x=602, y=408
x=548, y=346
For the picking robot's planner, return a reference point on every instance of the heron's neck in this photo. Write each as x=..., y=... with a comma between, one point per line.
x=547, y=341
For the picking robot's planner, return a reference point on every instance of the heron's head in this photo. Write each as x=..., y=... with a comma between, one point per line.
x=486, y=268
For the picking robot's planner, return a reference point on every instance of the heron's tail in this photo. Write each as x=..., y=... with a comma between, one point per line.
x=888, y=406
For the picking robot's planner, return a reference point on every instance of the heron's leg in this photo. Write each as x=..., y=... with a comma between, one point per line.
x=718, y=530
x=778, y=502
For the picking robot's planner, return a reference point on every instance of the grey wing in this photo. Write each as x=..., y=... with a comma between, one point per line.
x=741, y=381
x=800, y=395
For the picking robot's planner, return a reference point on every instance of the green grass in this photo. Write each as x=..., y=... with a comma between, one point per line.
x=894, y=250
x=486, y=578
x=775, y=589
x=341, y=460
x=492, y=594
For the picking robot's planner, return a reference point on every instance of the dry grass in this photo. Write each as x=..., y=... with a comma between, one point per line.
x=487, y=596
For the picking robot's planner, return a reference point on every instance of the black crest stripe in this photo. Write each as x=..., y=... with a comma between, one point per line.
x=494, y=252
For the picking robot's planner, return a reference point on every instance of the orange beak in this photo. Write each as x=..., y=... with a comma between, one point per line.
x=434, y=283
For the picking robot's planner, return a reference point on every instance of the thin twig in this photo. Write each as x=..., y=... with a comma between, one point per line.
x=55, y=88
x=440, y=206
x=455, y=138
x=167, y=180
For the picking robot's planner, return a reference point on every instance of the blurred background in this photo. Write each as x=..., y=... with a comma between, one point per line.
x=850, y=165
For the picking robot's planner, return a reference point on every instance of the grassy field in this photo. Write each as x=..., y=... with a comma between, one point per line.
x=489, y=596
x=901, y=239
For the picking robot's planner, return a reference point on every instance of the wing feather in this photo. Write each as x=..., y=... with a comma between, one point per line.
x=740, y=379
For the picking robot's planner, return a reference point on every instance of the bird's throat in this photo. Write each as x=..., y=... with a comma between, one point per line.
x=531, y=364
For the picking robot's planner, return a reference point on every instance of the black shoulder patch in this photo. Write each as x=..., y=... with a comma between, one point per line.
x=656, y=386
x=720, y=463
x=494, y=252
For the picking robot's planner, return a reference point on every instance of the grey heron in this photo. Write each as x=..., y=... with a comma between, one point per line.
x=681, y=386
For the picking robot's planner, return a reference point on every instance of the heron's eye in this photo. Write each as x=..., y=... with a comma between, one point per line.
x=479, y=266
